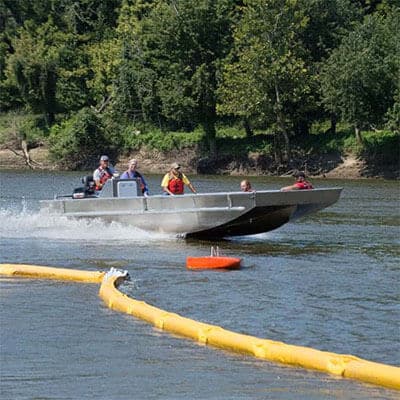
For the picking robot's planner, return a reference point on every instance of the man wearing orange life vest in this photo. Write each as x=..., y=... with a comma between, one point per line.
x=174, y=181
x=300, y=183
x=103, y=173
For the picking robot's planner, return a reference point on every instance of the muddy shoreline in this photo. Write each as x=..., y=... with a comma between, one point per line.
x=327, y=166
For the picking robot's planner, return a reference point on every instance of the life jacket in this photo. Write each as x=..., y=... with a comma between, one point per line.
x=105, y=175
x=175, y=184
x=134, y=175
x=304, y=185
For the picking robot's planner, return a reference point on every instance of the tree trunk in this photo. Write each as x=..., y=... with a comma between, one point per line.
x=27, y=156
x=277, y=150
x=48, y=89
x=332, y=129
x=247, y=128
x=103, y=105
x=210, y=134
x=286, y=153
x=281, y=124
x=358, y=135
x=50, y=118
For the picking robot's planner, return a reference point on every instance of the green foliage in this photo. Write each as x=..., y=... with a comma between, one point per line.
x=230, y=132
x=240, y=148
x=359, y=78
x=76, y=16
x=379, y=146
x=322, y=141
x=393, y=116
x=134, y=139
x=10, y=98
x=328, y=19
x=77, y=143
x=161, y=67
x=34, y=129
x=382, y=147
x=83, y=16
x=33, y=68
x=184, y=43
x=104, y=62
x=18, y=126
x=266, y=74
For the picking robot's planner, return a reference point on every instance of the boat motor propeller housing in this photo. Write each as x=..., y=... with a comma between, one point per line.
x=88, y=189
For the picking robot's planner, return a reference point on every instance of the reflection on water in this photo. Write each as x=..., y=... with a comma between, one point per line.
x=329, y=282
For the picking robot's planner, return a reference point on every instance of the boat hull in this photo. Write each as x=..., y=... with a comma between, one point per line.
x=203, y=215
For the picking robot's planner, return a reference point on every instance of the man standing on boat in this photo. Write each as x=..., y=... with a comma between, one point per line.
x=103, y=173
x=174, y=181
x=300, y=183
x=132, y=173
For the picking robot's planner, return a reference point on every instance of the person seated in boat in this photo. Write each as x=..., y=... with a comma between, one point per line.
x=132, y=173
x=103, y=173
x=174, y=181
x=300, y=183
x=245, y=186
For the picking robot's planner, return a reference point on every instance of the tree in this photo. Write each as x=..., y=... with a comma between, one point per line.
x=360, y=78
x=104, y=62
x=393, y=38
x=183, y=43
x=33, y=68
x=78, y=142
x=21, y=133
x=266, y=76
x=135, y=79
x=328, y=20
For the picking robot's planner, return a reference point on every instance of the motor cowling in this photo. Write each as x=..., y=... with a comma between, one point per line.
x=88, y=189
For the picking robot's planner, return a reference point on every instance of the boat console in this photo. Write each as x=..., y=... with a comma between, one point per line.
x=114, y=187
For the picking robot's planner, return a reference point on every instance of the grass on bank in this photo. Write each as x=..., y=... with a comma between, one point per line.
x=382, y=146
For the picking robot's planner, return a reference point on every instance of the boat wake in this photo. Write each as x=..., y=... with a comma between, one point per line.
x=41, y=225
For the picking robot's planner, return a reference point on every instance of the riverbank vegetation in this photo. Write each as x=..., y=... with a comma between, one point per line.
x=290, y=81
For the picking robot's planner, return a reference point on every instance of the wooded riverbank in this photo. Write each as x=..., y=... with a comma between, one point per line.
x=256, y=96
x=343, y=166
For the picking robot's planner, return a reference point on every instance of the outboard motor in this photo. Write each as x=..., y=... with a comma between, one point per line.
x=88, y=189
x=89, y=185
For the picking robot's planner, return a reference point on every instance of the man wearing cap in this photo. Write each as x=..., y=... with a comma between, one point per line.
x=174, y=181
x=300, y=183
x=103, y=173
x=132, y=173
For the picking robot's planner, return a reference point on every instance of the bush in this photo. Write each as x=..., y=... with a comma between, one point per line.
x=77, y=143
x=382, y=147
x=134, y=139
x=18, y=126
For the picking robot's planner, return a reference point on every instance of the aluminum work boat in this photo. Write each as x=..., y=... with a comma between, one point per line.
x=202, y=215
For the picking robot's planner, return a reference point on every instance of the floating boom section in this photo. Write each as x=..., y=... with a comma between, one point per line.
x=347, y=366
x=62, y=274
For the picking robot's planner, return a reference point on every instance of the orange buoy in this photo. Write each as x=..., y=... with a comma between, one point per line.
x=214, y=261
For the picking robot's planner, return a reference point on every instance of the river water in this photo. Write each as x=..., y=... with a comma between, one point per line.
x=330, y=281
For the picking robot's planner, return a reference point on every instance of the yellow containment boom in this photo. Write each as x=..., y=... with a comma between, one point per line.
x=63, y=274
x=347, y=366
